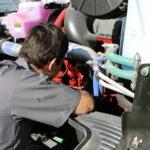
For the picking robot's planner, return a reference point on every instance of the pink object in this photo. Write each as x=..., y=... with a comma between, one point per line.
x=28, y=15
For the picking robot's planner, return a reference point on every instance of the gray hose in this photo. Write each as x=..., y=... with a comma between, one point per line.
x=76, y=28
x=125, y=103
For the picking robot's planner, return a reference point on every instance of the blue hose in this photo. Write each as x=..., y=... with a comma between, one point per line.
x=10, y=48
x=96, y=88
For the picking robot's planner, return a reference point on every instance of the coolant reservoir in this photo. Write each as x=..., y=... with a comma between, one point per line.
x=29, y=14
x=34, y=10
x=137, y=30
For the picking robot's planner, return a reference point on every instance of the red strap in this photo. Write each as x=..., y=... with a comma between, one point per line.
x=73, y=75
x=60, y=19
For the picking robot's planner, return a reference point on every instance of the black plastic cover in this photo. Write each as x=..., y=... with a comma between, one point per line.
x=101, y=8
x=99, y=131
x=136, y=124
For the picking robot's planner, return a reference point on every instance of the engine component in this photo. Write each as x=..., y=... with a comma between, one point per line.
x=88, y=31
x=10, y=48
x=101, y=8
x=97, y=131
x=136, y=124
x=29, y=14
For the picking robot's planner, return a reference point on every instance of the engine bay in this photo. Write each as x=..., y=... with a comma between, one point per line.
x=98, y=61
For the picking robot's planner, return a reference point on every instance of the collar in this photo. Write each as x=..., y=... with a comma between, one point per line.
x=22, y=62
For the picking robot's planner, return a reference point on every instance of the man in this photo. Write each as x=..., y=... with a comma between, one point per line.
x=27, y=94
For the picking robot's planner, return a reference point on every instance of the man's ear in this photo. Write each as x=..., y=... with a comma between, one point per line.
x=51, y=64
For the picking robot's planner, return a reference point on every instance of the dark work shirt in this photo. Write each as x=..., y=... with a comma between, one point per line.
x=24, y=94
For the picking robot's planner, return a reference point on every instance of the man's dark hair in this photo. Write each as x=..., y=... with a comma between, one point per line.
x=44, y=43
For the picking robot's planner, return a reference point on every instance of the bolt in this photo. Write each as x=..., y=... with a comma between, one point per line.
x=137, y=60
x=135, y=143
x=145, y=71
x=123, y=6
x=133, y=82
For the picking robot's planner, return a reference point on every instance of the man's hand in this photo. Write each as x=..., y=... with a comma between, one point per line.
x=85, y=105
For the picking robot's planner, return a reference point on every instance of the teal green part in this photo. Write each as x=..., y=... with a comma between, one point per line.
x=129, y=75
x=112, y=50
x=58, y=139
x=120, y=59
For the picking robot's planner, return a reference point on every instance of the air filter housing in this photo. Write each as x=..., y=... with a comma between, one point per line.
x=101, y=8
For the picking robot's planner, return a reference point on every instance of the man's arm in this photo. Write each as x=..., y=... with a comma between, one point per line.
x=86, y=104
x=47, y=102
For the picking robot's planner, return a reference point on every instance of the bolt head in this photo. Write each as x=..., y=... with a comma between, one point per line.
x=145, y=71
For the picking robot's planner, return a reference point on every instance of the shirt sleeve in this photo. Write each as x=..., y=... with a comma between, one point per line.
x=47, y=102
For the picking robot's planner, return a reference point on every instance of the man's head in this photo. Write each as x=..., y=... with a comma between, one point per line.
x=45, y=48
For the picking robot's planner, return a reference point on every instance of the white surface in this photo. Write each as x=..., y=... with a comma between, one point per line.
x=137, y=30
x=56, y=1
